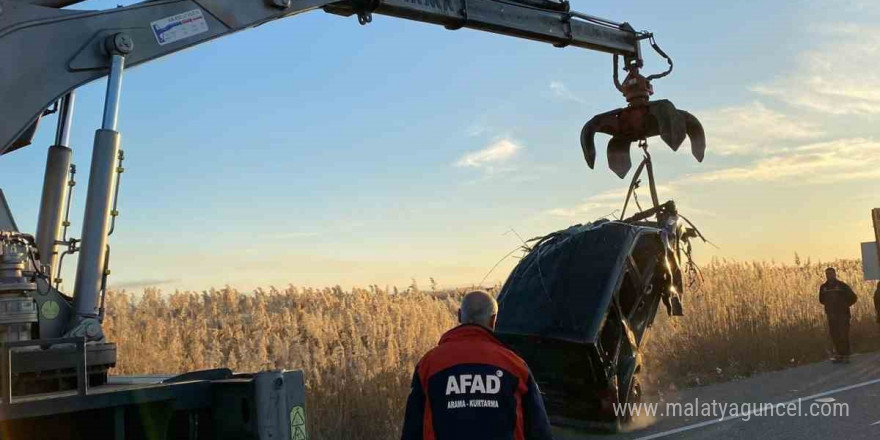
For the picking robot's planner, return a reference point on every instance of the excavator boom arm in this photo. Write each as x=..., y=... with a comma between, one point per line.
x=45, y=52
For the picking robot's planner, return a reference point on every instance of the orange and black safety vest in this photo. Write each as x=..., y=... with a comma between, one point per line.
x=472, y=386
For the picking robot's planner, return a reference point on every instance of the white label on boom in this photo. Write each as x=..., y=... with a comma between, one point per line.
x=180, y=26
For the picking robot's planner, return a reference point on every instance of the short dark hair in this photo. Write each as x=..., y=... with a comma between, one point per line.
x=830, y=269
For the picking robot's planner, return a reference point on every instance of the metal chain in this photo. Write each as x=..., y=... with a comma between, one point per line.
x=649, y=167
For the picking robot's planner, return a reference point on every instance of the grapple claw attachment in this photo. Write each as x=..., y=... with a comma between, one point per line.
x=618, y=156
x=638, y=122
x=587, y=144
x=697, y=135
x=670, y=123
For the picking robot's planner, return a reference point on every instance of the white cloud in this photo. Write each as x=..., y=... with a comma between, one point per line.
x=497, y=152
x=826, y=162
x=560, y=90
x=610, y=202
x=752, y=128
x=476, y=129
x=297, y=235
x=848, y=5
x=579, y=211
x=842, y=77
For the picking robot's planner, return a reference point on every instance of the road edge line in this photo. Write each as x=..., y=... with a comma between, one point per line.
x=749, y=413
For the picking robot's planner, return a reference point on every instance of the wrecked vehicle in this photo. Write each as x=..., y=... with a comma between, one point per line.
x=578, y=305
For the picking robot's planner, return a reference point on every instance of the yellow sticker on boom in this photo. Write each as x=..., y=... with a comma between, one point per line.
x=50, y=310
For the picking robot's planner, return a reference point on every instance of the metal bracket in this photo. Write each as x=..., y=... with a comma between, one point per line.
x=636, y=60
x=464, y=17
x=566, y=28
x=93, y=56
x=52, y=110
x=364, y=10
x=82, y=379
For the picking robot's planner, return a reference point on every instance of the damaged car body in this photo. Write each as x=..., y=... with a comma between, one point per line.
x=578, y=305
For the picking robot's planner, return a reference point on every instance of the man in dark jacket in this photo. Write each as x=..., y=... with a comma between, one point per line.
x=837, y=297
x=877, y=301
x=472, y=386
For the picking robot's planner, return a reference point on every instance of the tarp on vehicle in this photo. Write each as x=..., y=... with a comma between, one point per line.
x=563, y=288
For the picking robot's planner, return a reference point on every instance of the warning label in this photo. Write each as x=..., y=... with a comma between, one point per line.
x=180, y=26
x=298, y=423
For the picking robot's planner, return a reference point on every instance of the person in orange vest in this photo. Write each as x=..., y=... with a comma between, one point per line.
x=472, y=386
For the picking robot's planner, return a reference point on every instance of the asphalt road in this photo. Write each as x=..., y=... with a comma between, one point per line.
x=848, y=395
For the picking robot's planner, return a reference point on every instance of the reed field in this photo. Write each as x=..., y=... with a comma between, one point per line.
x=358, y=348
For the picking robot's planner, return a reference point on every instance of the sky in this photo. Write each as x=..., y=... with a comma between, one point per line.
x=314, y=151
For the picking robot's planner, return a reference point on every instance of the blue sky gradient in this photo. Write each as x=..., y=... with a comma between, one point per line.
x=315, y=151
